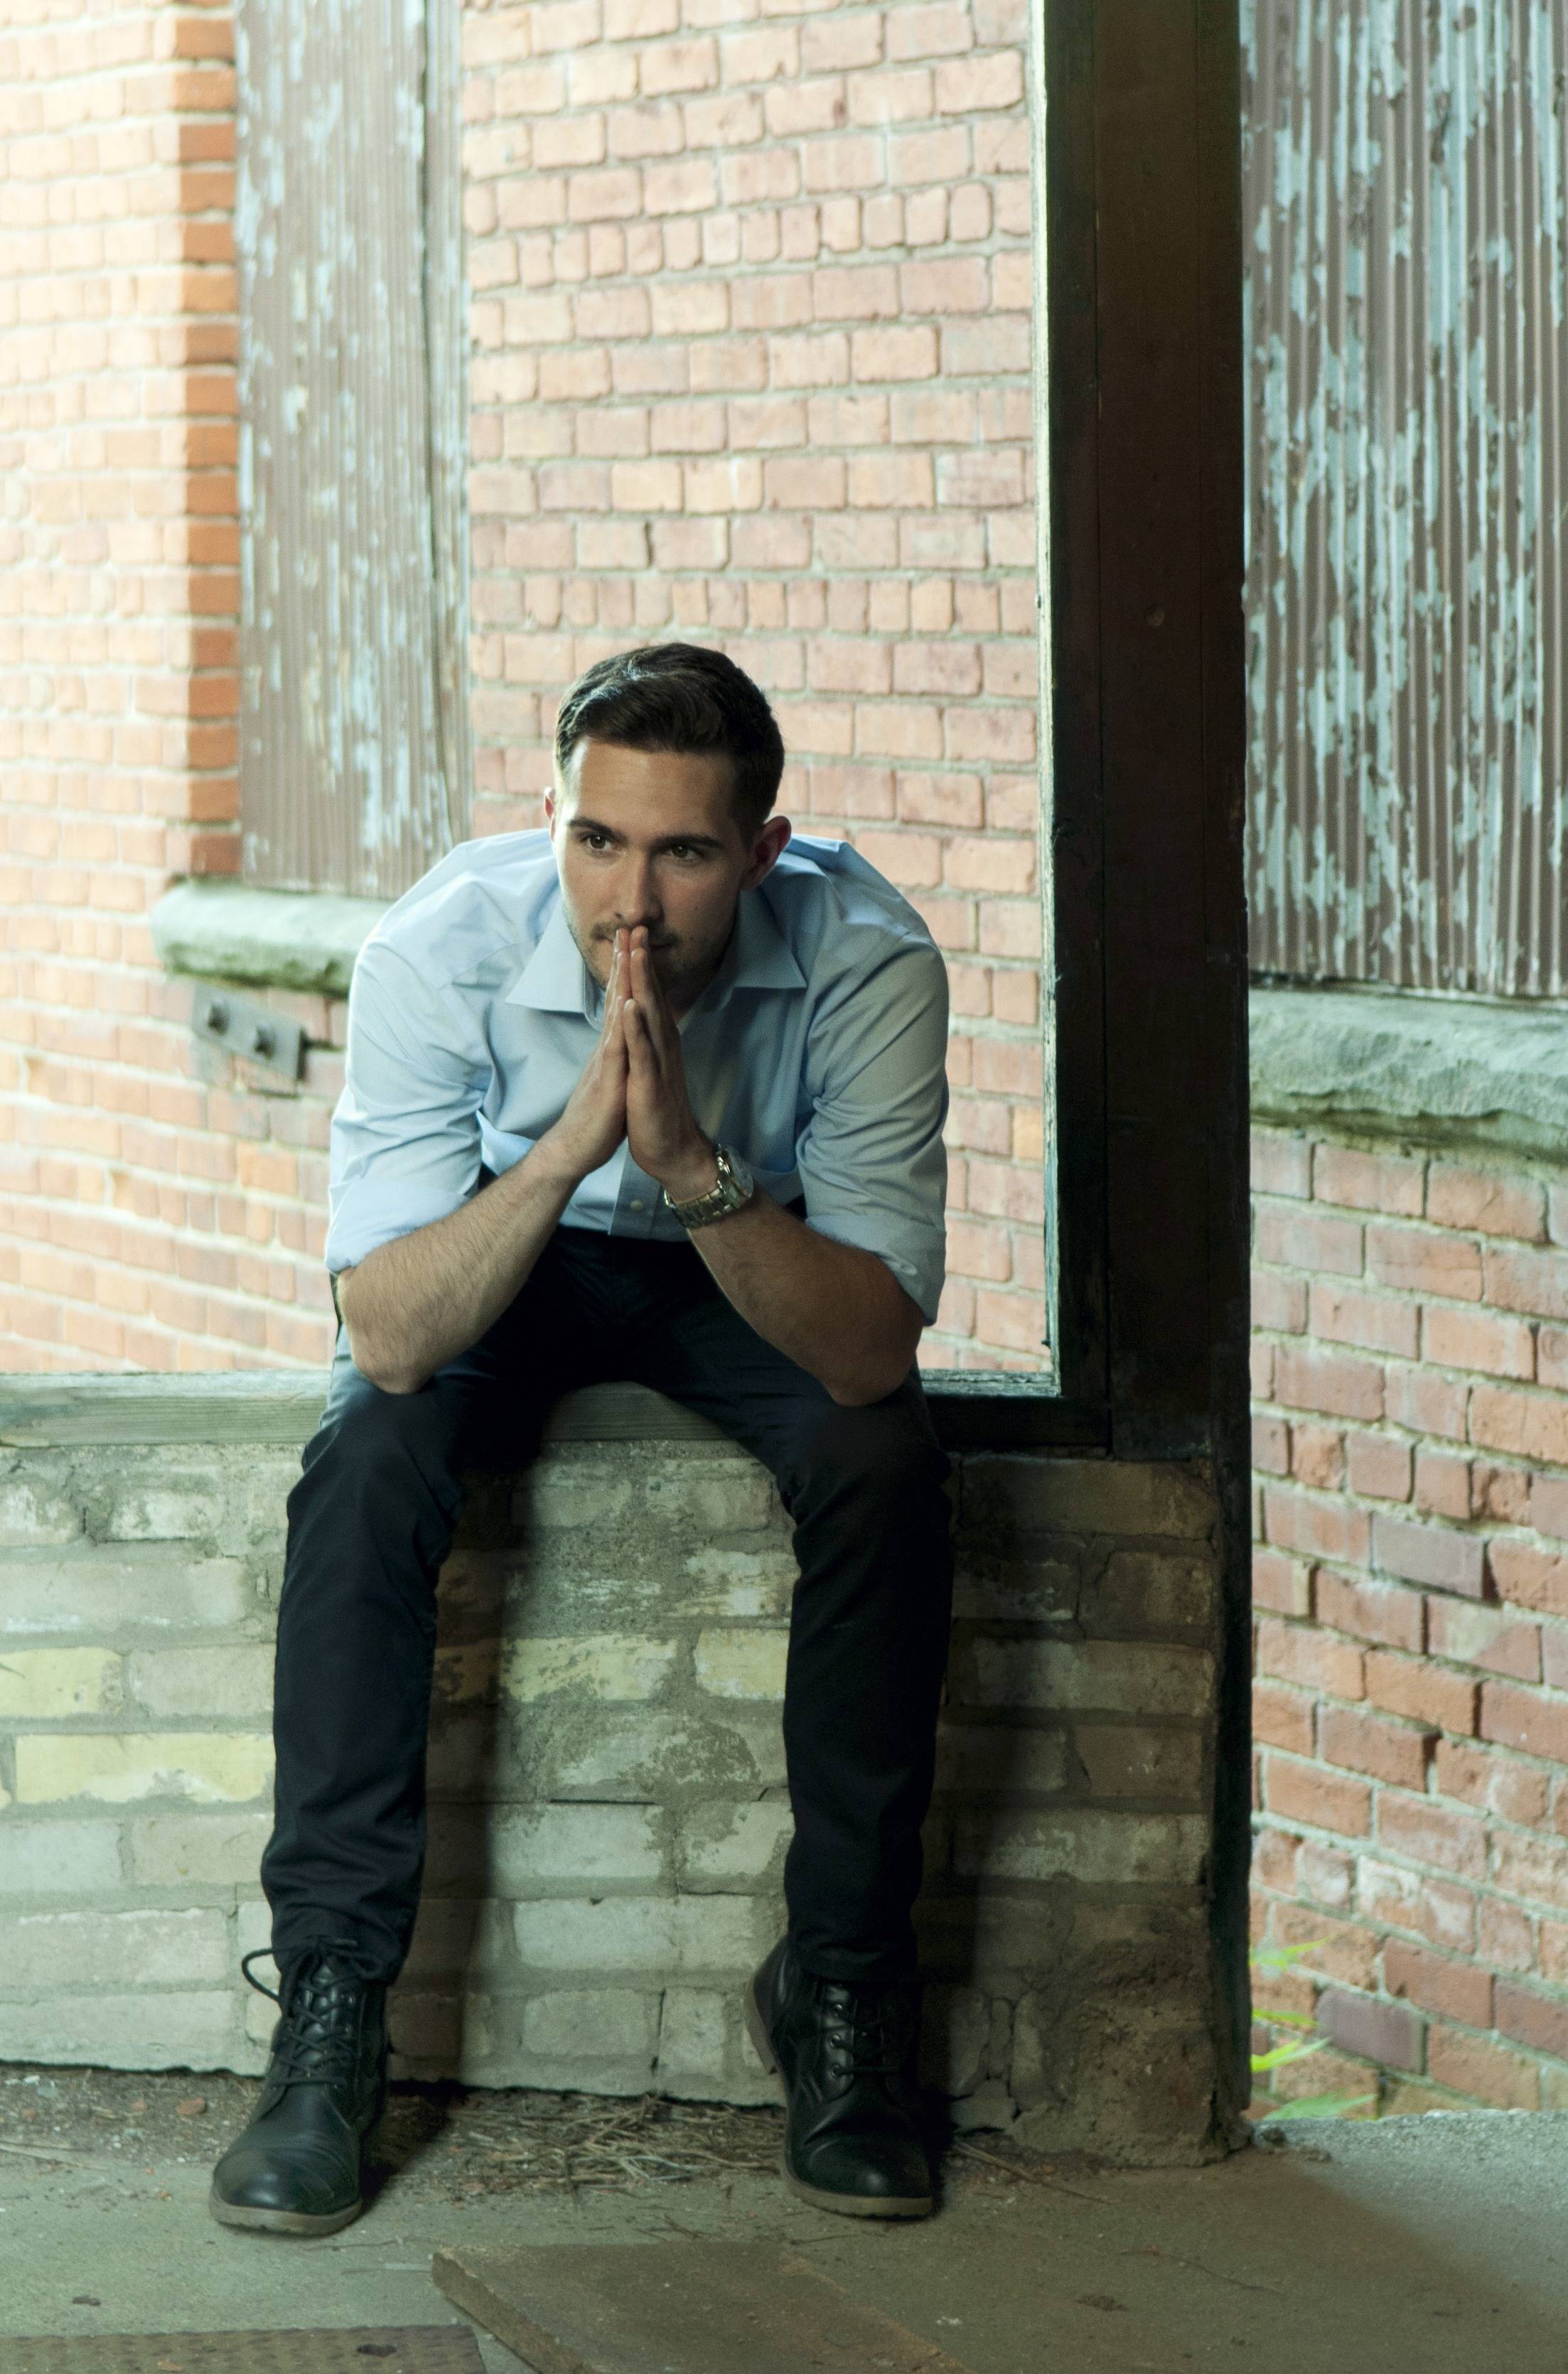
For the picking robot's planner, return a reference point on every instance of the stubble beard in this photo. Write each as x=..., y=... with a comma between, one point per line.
x=683, y=973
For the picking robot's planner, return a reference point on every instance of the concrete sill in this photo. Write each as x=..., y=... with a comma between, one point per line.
x=972, y=1411
x=1413, y=1067
x=277, y=940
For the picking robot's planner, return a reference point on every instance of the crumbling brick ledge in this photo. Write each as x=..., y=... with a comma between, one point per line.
x=609, y=1811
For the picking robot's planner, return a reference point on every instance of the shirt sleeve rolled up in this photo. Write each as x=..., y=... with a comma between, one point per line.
x=406, y=1130
x=871, y=1159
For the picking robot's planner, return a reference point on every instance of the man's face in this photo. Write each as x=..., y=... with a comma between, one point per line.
x=651, y=836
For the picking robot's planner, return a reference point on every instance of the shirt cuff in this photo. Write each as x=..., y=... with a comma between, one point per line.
x=919, y=1269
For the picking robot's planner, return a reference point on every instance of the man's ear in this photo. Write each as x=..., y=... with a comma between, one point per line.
x=550, y=813
x=766, y=850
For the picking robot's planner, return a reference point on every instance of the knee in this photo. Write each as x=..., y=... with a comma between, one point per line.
x=877, y=1455
x=372, y=1438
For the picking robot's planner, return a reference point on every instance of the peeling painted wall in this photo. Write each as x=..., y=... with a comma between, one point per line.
x=1406, y=351
x=354, y=772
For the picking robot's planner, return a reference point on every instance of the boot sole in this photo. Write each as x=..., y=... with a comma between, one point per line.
x=281, y=2221
x=845, y=2205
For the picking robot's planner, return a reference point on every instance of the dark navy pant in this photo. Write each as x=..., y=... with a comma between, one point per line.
x=373, y=1516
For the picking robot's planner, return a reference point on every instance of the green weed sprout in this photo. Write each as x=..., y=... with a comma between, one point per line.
x=1307, y=2106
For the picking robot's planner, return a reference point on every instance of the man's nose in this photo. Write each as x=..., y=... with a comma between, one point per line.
x=636, y=900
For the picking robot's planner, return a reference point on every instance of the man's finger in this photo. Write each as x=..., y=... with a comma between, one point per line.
x=615, y=987
x=649, y=994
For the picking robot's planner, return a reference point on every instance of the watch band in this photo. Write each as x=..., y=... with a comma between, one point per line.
x=731, y=1192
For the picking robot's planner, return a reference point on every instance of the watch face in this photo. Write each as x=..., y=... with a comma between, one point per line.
x=740, y=1172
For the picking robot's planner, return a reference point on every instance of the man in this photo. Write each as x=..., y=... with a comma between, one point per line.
x=653, y=1095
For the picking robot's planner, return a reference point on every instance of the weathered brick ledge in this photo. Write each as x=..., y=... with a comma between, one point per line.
x=608, y=1814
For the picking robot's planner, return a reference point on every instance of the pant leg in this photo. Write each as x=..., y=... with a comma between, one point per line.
x=370, y=1522
x=869, y=1625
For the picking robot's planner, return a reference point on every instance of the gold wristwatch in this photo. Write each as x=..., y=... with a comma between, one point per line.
x=733, y=1191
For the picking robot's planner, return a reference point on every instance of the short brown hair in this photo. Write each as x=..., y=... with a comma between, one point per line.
x=679, y=697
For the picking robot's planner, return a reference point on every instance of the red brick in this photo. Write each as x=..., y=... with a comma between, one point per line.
x=1315, y=1526
x=1415, y=1688
x=1378, y=1465
x=1477, y=1339
x=1551, y=1356
x=1279, y=1302
x=1492, y=1781
x=1299, y=1791
x=1498, y=1203
x=1271, y=1445
x=1427, y=1833
x=1342, y=1951
x=1383, y=2032
x=1554, y=1657
x=1534, y=1282
x=1505, y=1939
x=1433, y=1909
x=1274, y=1861
x=934, y=30
x=1531, y=1426
x=1390, y=1183
x=1278, y=1584
x=1525, y=1719
x=1536, y=1868
x=1456, y=1990
x=1494, y=1638
x=964, y=85
x=1281, y=1717
x=1549, y=1506
x=1383, y=1612
x=1442, y=1486
x=1430, y=1555
x=1364, y=1743
x=1536, y=2020
x=1280, y=1165
x=1288, y=1238
x=1425, y=1260
x=1337, y=1384
x=1317, y=1456
x=1526, y=1577
x=1427, y=1402
x=1469, y=2065
x=1327, y=1874
x=1304, y=1654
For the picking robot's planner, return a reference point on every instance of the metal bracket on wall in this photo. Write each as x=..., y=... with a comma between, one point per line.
x=248, y=1027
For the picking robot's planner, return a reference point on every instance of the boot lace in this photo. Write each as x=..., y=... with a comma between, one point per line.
x=864, y=2029
x=318, y=2036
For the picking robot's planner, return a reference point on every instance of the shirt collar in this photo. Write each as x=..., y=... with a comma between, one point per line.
x=556, y=980
x=757, y=956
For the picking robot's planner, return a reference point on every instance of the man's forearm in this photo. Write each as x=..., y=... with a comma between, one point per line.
x=416, y=1303
x=834, y=1310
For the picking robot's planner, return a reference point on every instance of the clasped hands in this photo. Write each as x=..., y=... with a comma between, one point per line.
x=634, y=1086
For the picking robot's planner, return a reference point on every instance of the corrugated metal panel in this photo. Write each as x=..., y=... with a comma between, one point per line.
x=353, y=727
x=1407, y=353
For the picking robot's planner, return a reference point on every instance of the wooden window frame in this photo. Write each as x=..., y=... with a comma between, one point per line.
x=1138, y=376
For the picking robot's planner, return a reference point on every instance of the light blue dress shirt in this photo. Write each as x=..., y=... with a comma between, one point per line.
x=817, y=1052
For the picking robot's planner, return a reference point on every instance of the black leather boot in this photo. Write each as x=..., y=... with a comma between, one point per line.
x=846, y=2057
x=296, y=2168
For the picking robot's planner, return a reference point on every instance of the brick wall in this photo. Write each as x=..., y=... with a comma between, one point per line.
x=751, y=362
x=608, y=1815
x=1410, y=1356
x=147, y=1219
